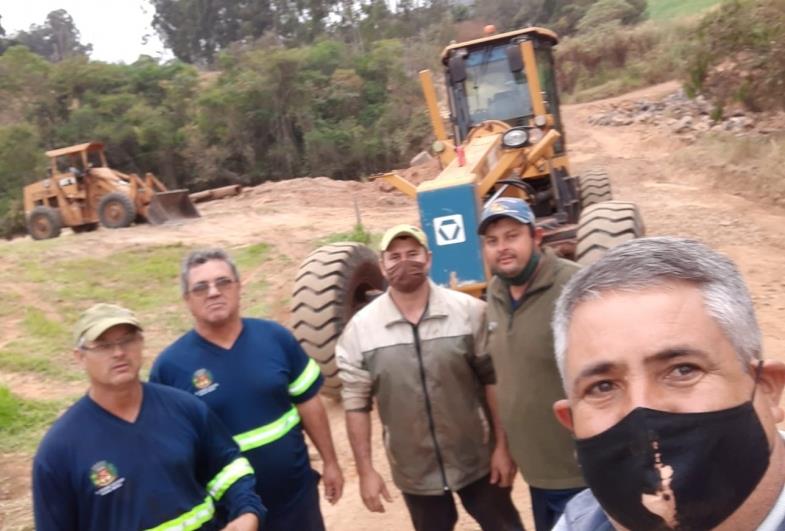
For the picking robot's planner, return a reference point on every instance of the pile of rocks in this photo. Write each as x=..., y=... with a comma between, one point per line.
x=676, y=112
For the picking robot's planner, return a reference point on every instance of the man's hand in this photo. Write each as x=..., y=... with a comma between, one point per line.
x=244, y=522
x=503, y=468
x=333, y=482
x=371, y=487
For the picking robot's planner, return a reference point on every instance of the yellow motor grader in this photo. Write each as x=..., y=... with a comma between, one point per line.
x=505, y=138
x=82, y=191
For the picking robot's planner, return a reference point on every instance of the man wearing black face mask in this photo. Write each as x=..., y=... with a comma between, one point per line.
x=418, y=349
x=527, y=280
x=673, y=410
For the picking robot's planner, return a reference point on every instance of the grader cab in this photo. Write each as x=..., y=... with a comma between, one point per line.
x=505, y=138
x=82, y=191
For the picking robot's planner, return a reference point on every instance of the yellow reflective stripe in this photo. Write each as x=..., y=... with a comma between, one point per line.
x=306, y=378
x=269, y=432
x=225, y=478
x=193, y=519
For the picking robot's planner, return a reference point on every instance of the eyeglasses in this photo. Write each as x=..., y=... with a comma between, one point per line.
x=202, y=289
x=125, y=344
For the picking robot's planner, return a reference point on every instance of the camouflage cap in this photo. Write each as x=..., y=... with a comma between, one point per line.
x=403, y=230
x=101, y=317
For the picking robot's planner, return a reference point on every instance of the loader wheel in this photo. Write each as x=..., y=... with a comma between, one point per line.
x=604, y=226
x=44, y=223
x=87, y=227
x=332, y=284
x=116, y=210
x=595, y=187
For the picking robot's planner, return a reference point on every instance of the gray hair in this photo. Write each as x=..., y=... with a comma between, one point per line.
x=197, y=258
x=647, y=262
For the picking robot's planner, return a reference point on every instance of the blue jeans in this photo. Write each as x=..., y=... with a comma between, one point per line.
x=548, y=505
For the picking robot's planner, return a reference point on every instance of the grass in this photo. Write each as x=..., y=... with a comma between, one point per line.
x=665, y=10
x=358, y=234
x=22, y=422
x=61, y=287
x=248, y=259
x=759, y=160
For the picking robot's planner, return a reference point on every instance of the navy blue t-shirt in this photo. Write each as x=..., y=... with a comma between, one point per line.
x=96, y=471
x=253, y=387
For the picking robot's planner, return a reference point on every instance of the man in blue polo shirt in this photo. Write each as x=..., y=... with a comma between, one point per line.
x=133, y=455
x=256, y=377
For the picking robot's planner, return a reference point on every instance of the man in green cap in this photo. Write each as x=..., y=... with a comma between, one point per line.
x=133, y=455
x=419, y=351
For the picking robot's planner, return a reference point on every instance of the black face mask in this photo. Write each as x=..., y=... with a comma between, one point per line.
x=695, y=469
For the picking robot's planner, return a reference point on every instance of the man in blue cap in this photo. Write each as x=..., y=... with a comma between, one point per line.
x=527, y=280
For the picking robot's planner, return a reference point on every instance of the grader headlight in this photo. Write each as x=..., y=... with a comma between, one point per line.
x=515, y=138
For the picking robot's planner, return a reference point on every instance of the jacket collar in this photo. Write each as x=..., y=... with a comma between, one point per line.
x=436, y=307
x=543, y=278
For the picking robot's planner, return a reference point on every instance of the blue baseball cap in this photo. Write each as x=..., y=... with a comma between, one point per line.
x=506, y=207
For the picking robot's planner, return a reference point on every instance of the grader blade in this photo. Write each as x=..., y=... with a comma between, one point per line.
x=167, y=206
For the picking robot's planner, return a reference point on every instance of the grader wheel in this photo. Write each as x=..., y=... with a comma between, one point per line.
x=604, y=226
x=595, y=187
x=332, y=284
x=116, y=210
x=44, y=223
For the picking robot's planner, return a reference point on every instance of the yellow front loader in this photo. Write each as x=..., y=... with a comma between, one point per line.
x=82, y=191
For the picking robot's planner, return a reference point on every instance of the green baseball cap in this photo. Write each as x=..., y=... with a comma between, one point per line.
x=403, y=230
x=101, y=317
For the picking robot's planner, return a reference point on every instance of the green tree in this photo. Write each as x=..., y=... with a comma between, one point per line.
x=611, y=11
x=55, y=39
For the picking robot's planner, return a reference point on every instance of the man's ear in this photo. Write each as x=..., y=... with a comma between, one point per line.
x=538, y=234
x=561, y=408
x=771, y=383
x=79, y=356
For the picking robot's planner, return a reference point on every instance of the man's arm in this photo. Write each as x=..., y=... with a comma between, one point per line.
x=228, y=476
x=357, y=398
x=358, y=426
x=244, y=522
x=53, y=504
x=503, y=468
x=316, y=425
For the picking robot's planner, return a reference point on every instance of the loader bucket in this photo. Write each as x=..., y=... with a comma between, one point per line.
x=166, y=206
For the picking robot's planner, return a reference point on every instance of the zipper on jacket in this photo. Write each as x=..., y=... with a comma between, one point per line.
x=415, y=329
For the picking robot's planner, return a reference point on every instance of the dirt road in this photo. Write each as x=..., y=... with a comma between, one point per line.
x=676, y=198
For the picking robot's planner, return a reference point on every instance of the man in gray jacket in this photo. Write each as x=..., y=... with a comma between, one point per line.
x=419, y=350
x=673, y=408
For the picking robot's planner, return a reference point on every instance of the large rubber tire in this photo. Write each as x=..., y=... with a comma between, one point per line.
x=604, y=226
x=116, y=210
x=44, y=223
x=595, y=187
x=332, y=284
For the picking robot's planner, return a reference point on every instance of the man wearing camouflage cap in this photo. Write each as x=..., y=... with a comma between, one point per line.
x=521, y=297
x=133, y=455
x=419, y=350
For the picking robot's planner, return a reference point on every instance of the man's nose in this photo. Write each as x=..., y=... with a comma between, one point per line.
x=212, y=290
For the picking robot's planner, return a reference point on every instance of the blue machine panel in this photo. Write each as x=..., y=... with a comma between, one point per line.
x=449, y=216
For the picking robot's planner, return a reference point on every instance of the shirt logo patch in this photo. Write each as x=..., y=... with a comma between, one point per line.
x=103, y=474
x=203, y=382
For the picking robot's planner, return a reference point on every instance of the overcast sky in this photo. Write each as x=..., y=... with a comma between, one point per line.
x=115, y=28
